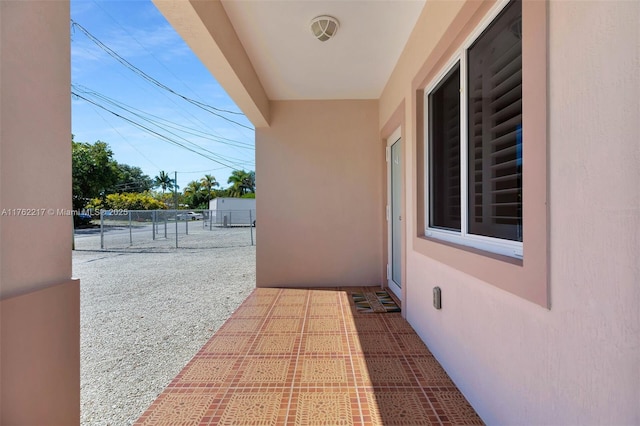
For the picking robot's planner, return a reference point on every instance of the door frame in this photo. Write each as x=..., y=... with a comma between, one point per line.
x=398, y=291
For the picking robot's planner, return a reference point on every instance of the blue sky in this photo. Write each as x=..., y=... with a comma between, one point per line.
x=137, y=32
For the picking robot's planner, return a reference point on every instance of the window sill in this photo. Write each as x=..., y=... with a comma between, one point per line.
x=481, y=244
x=475, y=251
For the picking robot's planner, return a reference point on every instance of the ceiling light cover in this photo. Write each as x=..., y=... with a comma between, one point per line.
x=324, y=27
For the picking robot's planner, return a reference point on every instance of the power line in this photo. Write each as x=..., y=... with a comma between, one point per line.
x=125, y=139
x=165, y=122
x=161, y=63
x=237, y=163
x=171, y=141
x=152, y=80
x=179, y=110
x=201, y=171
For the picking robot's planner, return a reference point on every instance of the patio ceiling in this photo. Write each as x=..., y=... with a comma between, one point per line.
x=292, y=64
x=264, y=50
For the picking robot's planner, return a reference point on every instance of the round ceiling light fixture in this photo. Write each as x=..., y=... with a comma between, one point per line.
x=324, y=27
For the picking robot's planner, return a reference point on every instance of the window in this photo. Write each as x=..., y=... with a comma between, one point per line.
x=509, y=254
x=444, y=128
x=474, y=135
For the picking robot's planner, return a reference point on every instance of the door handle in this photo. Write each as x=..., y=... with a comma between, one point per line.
x=400, y=218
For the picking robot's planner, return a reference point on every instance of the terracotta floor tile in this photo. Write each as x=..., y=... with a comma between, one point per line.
x=411, y=344
x=296, y=299
x=325, y=311
x=228, y=343
x=186, y=408
x=252, y=311
x=263, y=300
x=275, y=344
x=319, y=325
x=261, y=371
x=389, y=371
x=455, y=407
x=308, y=357
x=324, y=343
x=206, y=371
x=429, y=372
x=288, y=311
x=321, y=371
x=397, y=324
x=401, y=408
x=242, y=325
x=377, y=343
x=283, y=325
x=324, y=408
x=251, y=408
x=364, y=324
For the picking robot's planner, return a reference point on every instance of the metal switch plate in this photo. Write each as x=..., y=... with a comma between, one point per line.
x=437, y=298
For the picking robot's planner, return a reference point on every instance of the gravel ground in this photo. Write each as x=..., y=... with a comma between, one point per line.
x=145, y=313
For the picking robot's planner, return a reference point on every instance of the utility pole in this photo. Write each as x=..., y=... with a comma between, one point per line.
x=175, y=190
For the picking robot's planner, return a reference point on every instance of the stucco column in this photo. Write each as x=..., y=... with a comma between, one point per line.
x=39, y=301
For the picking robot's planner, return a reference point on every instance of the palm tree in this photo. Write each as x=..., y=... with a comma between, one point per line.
x=193, y=192
x=241, y=183
x=208, y=183
x=193, y=187
x=163, y=181
x=250, y=182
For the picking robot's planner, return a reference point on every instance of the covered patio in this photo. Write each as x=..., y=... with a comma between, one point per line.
x=308, y=356
x=552, y=329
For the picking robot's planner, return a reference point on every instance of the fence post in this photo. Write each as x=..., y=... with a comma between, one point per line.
x=101, y=229
x=153, y=223
x=176, y=216
x=130, y=235
x=186, y=225
x=251, y=225
x=210, y=219
x=165, y=224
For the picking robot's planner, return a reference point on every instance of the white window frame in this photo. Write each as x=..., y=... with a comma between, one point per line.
x=463, y=237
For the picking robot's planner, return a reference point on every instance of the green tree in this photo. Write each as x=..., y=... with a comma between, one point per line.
x=194, y=195
x=164, y=181
x=250, y=182
x=168, y=199
x=132, y=179
x=242, y=182
x=208, y=184
x=94, y=172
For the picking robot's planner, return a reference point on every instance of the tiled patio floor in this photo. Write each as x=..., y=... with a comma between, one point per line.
x=307, y=357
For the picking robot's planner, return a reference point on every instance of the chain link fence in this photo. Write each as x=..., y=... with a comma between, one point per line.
x=168, y=229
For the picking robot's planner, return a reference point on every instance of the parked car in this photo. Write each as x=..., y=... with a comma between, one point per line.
x=190, y=216
x=81, y=220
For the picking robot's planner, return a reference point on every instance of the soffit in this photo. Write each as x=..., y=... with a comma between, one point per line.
x=292, y=64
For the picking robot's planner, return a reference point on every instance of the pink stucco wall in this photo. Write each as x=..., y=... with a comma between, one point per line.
x=40, y=357
x=578, y=361
x=39, y=302
x=321, y=170
x=36, y=146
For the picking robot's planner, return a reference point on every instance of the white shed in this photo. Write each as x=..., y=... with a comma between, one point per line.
x=237, y=211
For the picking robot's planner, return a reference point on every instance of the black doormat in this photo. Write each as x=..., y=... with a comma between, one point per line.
x=374, y=301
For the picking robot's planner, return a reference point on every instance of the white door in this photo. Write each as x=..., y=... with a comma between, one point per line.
x=395, y=215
